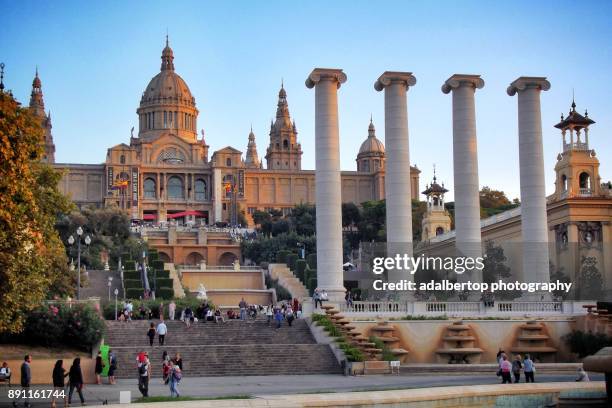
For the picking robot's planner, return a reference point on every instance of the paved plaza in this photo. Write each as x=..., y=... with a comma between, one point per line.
x=298, y=384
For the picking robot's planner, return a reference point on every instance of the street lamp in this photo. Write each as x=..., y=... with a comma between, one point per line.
x=71, y=241
x=116, y=292
x=110, y=282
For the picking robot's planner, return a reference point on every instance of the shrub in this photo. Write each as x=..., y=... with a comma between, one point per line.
x=165, y=292
x=164, y=282
x=131, y=275
x=125, y=256
x=130, y=265
x=281, y=256
x=59, y=325
x=132, y=283
x=300, y=268
x=281, y=292
x=586, y=344
x=387, y=355
x=154, y=306
x=134, y=293
x=153, y=255
x=291, y=258
x=312, y=260
x=312, y=283
x=157, y=264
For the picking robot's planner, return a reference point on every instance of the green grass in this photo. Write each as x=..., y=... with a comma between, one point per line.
x=165, y=398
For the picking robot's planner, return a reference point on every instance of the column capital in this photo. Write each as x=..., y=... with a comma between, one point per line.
x=389, y=77
x=522, y=83
x=319, y=74
x=459, y=80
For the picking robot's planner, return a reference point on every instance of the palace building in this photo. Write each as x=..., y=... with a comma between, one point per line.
x=164, y=172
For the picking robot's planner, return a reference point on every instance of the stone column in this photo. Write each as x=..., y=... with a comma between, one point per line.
x=217, y=196
x=327, y=181
x=398, y=186
x=533, y=192
x=465, y=168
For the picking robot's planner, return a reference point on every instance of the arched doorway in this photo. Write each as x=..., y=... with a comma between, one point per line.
x=439, y=231
x=227, y=258
x=164, y=257
x=194, y=258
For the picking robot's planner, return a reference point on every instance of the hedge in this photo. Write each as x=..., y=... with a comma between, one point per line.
x=134, y=275
x=153, y=255
x=312, y=260
x=130, y=265
x=132, y=283
x=312, y=284
x=157, y=264
x=164, y=293
x=164, y=282
x=57, y=325
x=153, y=305
x=300, y=269
x=125, y=256
x=134, y=293
x=291, y=258
x=281, y=256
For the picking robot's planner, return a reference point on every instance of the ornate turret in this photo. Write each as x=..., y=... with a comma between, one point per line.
x=371, y=156
x=167, y=57
x=284, y=152
x=252, y=159
x=577, y=168
x=436, y=220
x=37, y=107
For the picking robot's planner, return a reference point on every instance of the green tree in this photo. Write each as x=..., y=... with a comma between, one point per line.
x=494, y=263
x=590, y=282
x=29, y=255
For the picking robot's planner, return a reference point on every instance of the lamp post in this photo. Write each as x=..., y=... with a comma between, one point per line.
x=110, y=283
x=116, y=292
x=71, y=241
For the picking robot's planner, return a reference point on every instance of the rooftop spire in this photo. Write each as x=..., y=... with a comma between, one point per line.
x=1, y=76
x=167, y=57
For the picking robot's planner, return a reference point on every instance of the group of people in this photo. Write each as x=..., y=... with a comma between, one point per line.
x=161, y=330
x=508, y=368
x=172, y=372
x=319, y=296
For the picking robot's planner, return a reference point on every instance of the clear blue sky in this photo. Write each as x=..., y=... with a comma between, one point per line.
x=96, y=58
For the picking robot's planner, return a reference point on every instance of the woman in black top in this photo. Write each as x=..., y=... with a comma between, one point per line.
x=75, y=378
x=178, y=361
x=99, y=367
x=151, y=334
x=58, y=380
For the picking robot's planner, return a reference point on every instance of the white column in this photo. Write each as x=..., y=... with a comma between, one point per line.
x=327, y=180
x=217, y=196
x=398, y=184
x=533, y=192
x=465, y=168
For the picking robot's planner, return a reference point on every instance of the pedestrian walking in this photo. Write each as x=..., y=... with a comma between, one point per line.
x=279, y=318
x=59, y=373
x=151, y=334
x=178, y=360
x=171, y=310
x=516, y=368
x=505, y=369
x=112, y=366
x=75, y=379
x=144, y=368
x=289, y=315
x=162, y=330
x=528, y=368
x=243, y=308
x=26, y=378
x=317, y=297
x=98, y=368
x=175, y=376
x=270, y=313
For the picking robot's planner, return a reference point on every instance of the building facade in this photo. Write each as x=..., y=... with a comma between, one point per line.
x=165, y=173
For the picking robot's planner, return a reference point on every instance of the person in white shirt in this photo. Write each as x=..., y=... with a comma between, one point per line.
x=172, y=310
x=162, y=330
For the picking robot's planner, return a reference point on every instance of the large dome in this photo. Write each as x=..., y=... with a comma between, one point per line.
x=372, y=144
x=167, y=86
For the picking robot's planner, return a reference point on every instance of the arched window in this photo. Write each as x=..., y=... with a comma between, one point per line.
x=228, y=162
x=585, y=180
x=165, y=119
x=286, y=144
x=564, y=182
x=175, y=187
x=439, y=231
x=200, y=190
x=122, y=159
x=149, y=188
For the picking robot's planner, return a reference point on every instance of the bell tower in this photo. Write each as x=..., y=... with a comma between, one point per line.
x=436, y=220
x=577, y=168
x=284, y=151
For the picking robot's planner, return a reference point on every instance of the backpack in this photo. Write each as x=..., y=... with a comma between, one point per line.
x=177, y=375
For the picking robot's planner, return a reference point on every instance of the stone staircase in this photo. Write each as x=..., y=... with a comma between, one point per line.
x=97, y=285
x=233, y=348
x=288, y=280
